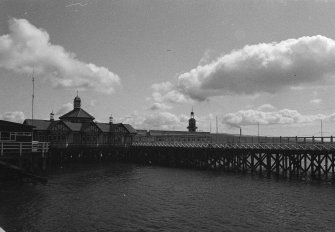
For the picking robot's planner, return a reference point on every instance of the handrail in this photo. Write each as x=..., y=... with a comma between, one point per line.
x=238, y=146
x=10, y=148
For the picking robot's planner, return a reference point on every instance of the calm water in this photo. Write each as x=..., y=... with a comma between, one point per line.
x=136, y=198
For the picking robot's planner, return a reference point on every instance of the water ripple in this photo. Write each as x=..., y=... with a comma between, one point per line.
x=123, y=197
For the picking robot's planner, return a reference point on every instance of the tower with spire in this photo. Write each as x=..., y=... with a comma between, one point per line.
x=192, y=123
x=77, y=115
x=77, y=102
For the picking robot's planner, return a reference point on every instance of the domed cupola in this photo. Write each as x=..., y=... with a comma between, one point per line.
x=192, y=123
x=77, y=102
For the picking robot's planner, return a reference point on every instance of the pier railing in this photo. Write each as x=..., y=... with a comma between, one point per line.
x=245, y=146
x=20, y=148
x=282, y=140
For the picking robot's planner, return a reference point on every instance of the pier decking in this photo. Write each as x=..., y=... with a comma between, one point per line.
x=313, y=158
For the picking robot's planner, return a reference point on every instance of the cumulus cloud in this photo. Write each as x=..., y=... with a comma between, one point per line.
x=64, y=108
x=266, y=107
x=156, y=120
x=166, y=92
x=265, y=67
x=284, y=116
x=27, y=48
x=316, y=101
x=159, y=106
x=15, y=116
x=163, y=86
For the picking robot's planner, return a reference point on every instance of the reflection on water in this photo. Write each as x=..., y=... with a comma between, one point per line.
x=122, y=197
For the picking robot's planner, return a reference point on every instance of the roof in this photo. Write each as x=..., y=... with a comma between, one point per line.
x=77, y=113
x=74, y=126
x=162, y=132
x=130, y=129
x=104, y=127
x=14, y=127
x=38, y=123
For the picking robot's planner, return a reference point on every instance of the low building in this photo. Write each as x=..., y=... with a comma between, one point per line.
x=78, y=128
x=15, y=132
x=173, y=136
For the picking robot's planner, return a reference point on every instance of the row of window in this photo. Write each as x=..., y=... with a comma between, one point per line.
x=12, y=136
x=174, y=139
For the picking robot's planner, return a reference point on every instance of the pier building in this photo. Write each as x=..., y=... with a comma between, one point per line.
x=78, y=128
x=190, y=136
x=20, y=156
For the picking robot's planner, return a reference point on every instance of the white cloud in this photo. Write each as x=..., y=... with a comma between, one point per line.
x=65, y=108
x=159, y=106
x=163, y=86
x=265, y=67
x=172, y=96
x=27, y=47
x=266, y=107
x=15, y=116
x=156, y=120
x=284, y=116
x=207, y=57
x=316, y=101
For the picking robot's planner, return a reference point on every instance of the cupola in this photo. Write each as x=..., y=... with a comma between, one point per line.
x=77, y=102
x=192, y=123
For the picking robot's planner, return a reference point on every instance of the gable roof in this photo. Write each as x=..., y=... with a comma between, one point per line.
x=74, y=126
x=129, y=128
x=77, y=113
x=39, y=124
x=104, y=127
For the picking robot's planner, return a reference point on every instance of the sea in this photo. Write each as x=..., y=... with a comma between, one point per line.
x=126, y=197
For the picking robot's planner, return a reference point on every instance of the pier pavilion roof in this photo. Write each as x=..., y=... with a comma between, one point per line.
x=78, y=115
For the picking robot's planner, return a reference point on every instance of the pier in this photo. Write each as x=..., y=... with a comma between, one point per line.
x=312, y=158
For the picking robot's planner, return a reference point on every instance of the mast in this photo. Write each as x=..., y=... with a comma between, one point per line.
x=32, y=99
x=210, y=126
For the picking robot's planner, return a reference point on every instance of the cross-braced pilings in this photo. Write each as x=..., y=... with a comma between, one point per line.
x=287, y=160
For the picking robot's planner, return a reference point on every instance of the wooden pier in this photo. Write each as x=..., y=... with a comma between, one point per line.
x=23, y=160
x=315, y=160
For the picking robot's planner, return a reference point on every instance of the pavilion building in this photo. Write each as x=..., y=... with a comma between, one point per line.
x=78, y=128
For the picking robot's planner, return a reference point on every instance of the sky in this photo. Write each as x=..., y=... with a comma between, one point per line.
x=238, y=64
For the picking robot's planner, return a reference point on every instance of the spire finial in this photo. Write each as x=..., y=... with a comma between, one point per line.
x=77, y=93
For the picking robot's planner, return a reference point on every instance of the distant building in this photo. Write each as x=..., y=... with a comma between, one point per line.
x=172, y=136
x=192, y=123
x=77, y=128
x=190, y=136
